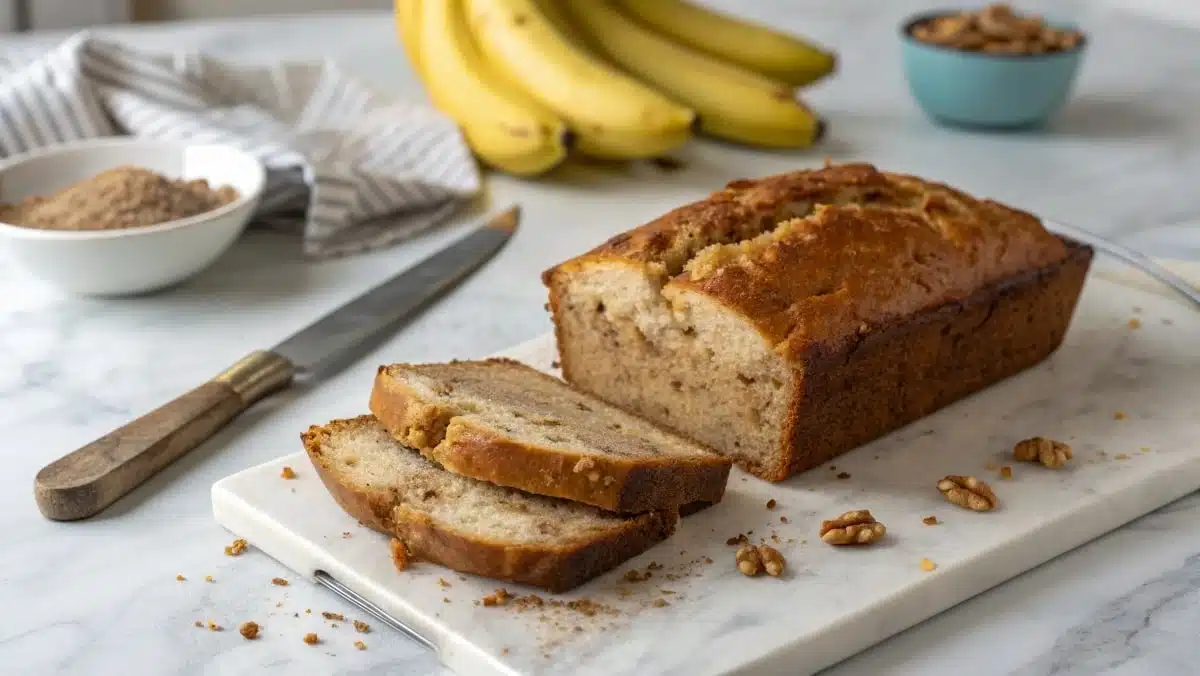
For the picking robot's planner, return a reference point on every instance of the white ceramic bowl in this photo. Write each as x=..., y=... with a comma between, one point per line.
x=128, y=260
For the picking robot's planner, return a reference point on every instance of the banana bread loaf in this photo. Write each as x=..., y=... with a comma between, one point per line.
x=786, y=320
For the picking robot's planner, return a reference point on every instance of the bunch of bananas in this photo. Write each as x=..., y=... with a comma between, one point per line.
x=531, y=81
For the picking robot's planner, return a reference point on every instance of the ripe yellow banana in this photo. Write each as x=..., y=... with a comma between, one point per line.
x=770, y=52
x=614, y=115
x=733, y=103
x=504, y=127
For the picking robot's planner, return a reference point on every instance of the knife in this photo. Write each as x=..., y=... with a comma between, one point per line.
x=86, y=481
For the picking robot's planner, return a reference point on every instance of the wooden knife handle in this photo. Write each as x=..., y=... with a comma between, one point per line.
x=93, y=477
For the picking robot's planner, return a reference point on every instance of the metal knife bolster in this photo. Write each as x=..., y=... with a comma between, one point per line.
x=257, y=375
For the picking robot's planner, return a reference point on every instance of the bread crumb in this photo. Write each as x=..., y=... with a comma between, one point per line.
x=333, y=616
x=498, y=598
x=360, y=645
x=361, y=627
x=634, y=575
x=249, y=630
x=213, y=626
x=504, y=651
x=1006, y=472
x=1121, y=456
x=784, y=519
x=311, y=638
x=279, y=581
x=399, y=554
x=442, y=582
x=928, y=566
x=708, y=560
x=843, y=475
x=1119, y=415
x=930, y=521
x=1135, y=323
x=287, y=473
x=738, y=539
x=771, y=503
x=199, y=624
x=237, y=547
x=180, y=578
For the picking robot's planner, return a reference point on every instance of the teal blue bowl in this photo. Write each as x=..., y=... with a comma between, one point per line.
x=976, y=89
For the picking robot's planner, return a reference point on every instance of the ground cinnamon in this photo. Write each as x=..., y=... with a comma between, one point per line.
x=123, y=197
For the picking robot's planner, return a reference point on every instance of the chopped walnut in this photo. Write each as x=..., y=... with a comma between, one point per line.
x=1053, y=454
x=772, y=561
x=771, y=503
x=399, y=554
x=930, y=521
x=360, y=645
x=749, y=560
x=279, y=582
x=311, y=638
x=852, y=528
x=499, y=598
x=249, y=630
x=180, y=578
x=287, y=473
x=442, y=582
x=968, y=492
x=1006, y=472
x=213, y=626
x=738, y=539
x=237, y=547
x=333, y=616
x=634, y=575
x=783, y=519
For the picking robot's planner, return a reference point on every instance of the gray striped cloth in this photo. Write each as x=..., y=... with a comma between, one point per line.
x=347, y=168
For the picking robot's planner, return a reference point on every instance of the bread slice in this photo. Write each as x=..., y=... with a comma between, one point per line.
x=504, y=422
x=468, y=525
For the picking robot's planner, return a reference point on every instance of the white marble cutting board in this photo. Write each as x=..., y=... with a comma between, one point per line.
x=833, y=602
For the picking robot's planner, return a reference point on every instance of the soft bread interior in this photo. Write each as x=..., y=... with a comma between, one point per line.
x=675, y=357
x=365, y=458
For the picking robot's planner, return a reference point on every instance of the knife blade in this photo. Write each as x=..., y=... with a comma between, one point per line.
x=89, y=479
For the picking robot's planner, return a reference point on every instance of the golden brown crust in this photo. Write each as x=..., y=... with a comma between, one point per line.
x=626, y=485
x=555, y=568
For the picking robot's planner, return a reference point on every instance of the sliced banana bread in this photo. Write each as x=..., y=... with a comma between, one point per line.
x=502, y=421
x=468, y=525
x=785, y=320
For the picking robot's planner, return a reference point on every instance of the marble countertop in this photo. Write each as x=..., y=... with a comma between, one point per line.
x=101, y=597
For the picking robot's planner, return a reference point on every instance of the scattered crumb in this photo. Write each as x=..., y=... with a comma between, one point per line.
x=990, y=466
x=279, y=581
x=498, y=598
x=399, y=554
x=784, y=519
x=1121, y=456
x=249, y=630
x=1006, y=472
x=237, y=547
x=654, y=565
x=928, y=566
x=180, y=578
x=504, y=652
x=442, y=582
x=1119, y=415
x=311, y=638
x=707, y=560
x=308, y=611
x=208, y=578
x=462, y=578
x=360, y=645
x=833, y=468
x=634, y=575
x=930, y=521
x=213, y=626
x=199, y=623
x=843, y=475
x=346, y=534
x=288, y=473
x=738, y=539
x=771, y=503
x=555, y=364
x=279, y=604
x=1135, y=323
x=361, y=627
x=333, y=616
x=660, y=603
x=1144, y=449
x=445, y=599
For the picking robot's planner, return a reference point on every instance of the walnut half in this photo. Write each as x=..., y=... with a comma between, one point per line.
x=852, y=528
x=1053, y=454
x=968, y=492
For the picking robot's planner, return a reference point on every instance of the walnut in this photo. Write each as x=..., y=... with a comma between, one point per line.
x=968, y=492
x=1053, y=454
x=749, y=560
x=772, y=561
x=333, y=616
x=249, y=630
x=852, y=528
x=360, y=645
x=279, y=581
x=287, y=473
x=499, y=598
x=239, y=545
x=361, y=627
x=311, y=638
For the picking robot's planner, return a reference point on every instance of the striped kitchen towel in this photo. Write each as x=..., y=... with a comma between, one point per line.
x=347, y=168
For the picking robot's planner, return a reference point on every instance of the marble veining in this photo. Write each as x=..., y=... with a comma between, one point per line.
x=96, y=598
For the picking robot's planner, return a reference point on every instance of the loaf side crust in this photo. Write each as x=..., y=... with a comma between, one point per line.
x=618, y=484
x=554, y=568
